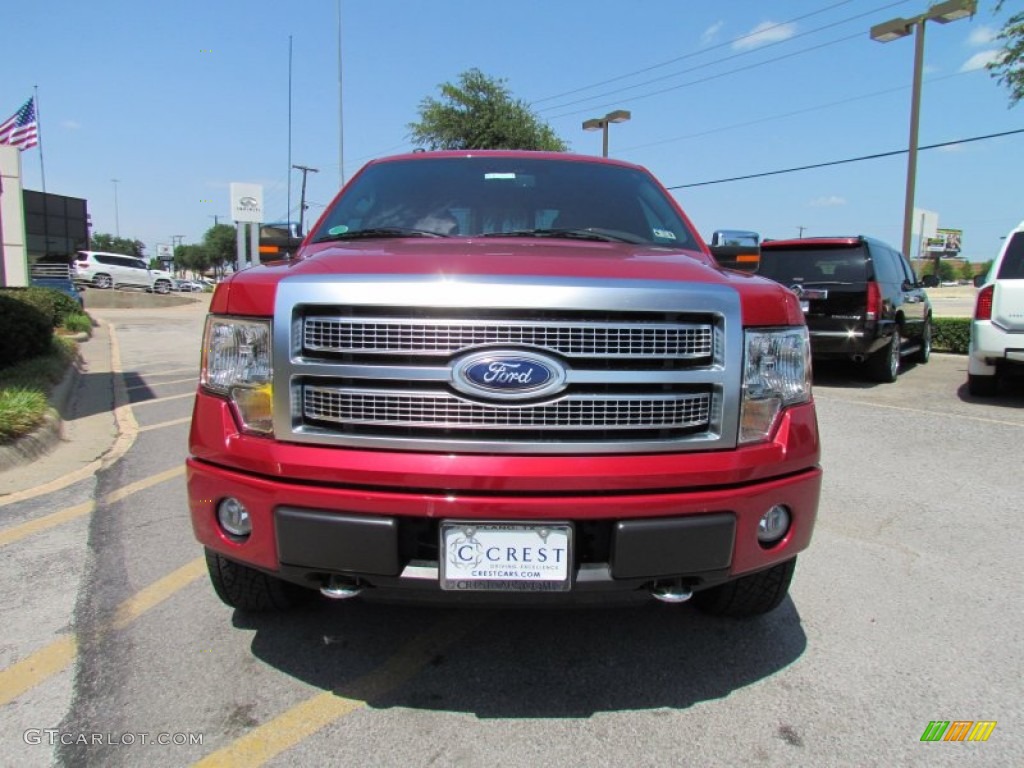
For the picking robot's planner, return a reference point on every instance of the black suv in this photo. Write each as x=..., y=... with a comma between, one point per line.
x=861, y=299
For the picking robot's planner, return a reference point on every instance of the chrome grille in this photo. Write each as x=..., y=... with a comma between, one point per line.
x=340, y=335
x=372, y=362
x=442, y=410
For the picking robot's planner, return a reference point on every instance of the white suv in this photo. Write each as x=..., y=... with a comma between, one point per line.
x=115, y=270
x=997, y=330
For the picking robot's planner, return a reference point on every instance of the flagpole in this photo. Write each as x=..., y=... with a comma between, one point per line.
x=39, y=135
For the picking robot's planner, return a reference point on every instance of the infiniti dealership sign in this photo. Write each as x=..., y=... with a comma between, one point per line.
x=247, y=202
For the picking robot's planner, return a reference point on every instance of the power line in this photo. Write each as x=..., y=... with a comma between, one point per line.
x=804, y=111
x=842, y=162
x=758, y=49
x=709, y=78
x=690, y=55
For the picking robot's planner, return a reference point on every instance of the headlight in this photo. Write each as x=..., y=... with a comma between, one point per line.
x=237, y=364
x=776, y=374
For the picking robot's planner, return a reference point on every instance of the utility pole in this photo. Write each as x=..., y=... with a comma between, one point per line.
x=302, y=201
x=215, y=217
x=801, y=231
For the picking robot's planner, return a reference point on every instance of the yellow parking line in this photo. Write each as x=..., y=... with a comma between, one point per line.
x=149, y=384
x=12, y=534
x=51, y=659
x=157, y=592
x=17, y=532
x=141, y=485
x=41, y=665
x=163, y=399
x=303, y=720
x=162, y=424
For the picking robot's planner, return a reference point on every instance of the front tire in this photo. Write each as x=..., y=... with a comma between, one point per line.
x=247, y=589
x=748, y=596
x=103, y=281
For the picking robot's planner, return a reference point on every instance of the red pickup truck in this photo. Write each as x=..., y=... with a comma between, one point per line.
x=504, y=376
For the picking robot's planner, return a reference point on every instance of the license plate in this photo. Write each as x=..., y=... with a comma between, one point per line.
x=505, y=557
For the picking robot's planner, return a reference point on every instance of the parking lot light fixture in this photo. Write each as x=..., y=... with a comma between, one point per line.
x=601, y=124
x=894, y=29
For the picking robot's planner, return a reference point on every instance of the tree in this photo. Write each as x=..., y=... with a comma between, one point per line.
x=480, y=113
x=967, y=271
x=1008, y=67
x=193, y=258
x=221, y=245
x=111, y=244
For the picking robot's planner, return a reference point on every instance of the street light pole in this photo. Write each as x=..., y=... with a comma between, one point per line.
x=943, y=13
x=601, y=124
x=117, y=218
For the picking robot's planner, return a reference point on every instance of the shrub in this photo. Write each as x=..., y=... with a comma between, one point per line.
x=77, y=322
x=25, y=330
x=21, y=411
x=951, y=334
x=51, y=302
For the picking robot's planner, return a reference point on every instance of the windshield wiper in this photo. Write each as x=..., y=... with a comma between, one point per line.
x=379, y=232
x=575, y=234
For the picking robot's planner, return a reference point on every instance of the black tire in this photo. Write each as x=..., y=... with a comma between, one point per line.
x=247, y=589
x=982, y=386
x=884, y=365
x=103, y=281
x=162, y=286
x=748, y=596
x=924, y=353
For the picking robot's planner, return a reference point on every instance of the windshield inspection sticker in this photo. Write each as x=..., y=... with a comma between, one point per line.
x=665, y=234
x=341, y=229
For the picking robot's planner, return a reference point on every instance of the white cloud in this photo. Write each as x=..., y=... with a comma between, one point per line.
x=827, y=202
x=764, y=33
x=711, y=33
x=953, y=148
x=71, y=125
x=981, y=60
x=982, y=36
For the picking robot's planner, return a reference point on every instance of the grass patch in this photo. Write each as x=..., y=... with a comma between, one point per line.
x=77, y=322
x=25, y=388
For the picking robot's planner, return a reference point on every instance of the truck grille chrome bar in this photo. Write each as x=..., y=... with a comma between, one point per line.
x=399, y=362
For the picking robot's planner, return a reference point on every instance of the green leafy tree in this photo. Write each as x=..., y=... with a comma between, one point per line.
x=941, y=268
x=967, y=271
x=101, y=241
x=193, y=258
x=479, y=113
x=221, y=245
x=1008, y=68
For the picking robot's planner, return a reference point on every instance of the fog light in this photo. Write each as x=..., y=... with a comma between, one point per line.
x=773, y=525
x=234, y=518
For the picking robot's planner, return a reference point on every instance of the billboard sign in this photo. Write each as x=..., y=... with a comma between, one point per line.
x=945, y=243
x=247, y=202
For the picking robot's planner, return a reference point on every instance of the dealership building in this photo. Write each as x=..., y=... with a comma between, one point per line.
x=35, y=225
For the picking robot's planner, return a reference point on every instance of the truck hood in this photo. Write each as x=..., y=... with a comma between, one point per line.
x=252, y=291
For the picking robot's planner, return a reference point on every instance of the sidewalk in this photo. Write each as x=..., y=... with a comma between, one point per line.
x=68, y=447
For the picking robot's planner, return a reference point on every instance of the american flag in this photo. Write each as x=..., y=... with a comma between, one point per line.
x=20, y=130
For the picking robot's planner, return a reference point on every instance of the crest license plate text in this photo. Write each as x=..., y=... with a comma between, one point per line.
x=509, y=557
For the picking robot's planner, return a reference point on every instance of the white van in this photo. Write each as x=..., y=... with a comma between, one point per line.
x=115, y=270
x=997, y=330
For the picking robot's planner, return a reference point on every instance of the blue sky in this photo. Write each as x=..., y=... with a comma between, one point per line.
x=177, y=100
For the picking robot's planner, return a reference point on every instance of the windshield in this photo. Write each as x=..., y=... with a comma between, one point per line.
x=495, y=196
x=814, y=265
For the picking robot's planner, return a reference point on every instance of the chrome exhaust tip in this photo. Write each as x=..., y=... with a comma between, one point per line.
x=336, y=589
x=671, y=593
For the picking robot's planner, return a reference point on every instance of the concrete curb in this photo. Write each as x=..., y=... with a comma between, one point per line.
x=48, y=435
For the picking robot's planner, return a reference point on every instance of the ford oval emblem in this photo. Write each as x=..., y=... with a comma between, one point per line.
x=508, y=375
